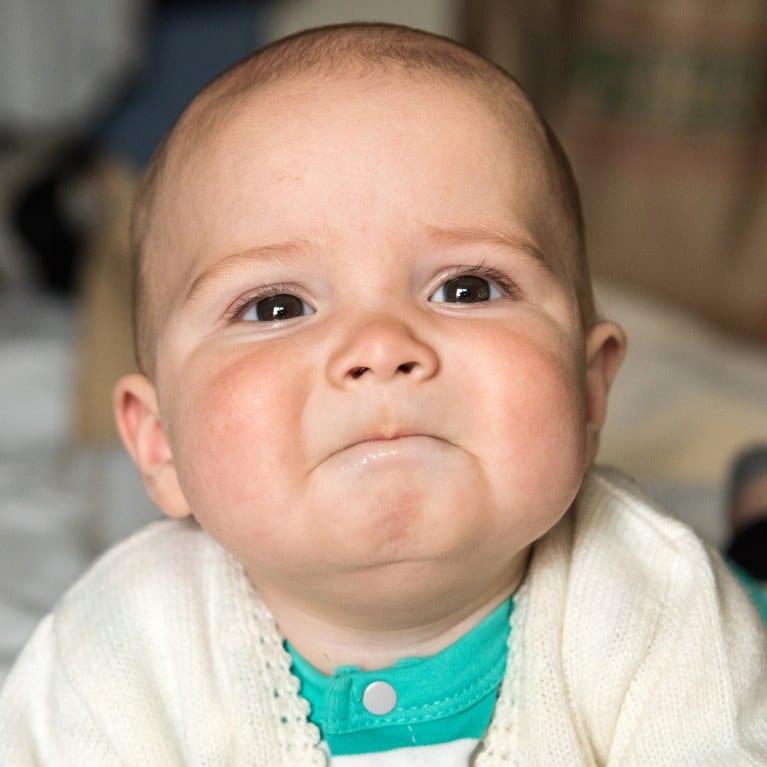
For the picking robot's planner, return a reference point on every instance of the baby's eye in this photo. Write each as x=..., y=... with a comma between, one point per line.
x=466, y=289
x=275, y=308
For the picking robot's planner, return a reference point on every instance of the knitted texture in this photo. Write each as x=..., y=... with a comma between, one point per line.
x=500, y=745
x=631, y=645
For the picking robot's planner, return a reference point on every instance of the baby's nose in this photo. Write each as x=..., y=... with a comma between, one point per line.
x=382, y=349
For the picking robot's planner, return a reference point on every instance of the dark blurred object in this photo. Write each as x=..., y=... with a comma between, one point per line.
x=662, y=108
x=748, y=511
x=48, y=219
x=189, y=42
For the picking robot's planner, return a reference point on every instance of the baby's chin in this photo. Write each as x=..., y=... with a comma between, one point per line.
x=423, y=494
x=393, y=503
x=407, y=541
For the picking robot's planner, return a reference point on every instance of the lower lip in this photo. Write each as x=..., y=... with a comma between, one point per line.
x=416, y=449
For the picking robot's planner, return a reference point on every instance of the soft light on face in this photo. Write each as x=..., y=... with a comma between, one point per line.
x=372, y=360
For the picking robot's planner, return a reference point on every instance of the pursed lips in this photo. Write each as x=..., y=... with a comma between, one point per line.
x=386, y=441
x=382, y=437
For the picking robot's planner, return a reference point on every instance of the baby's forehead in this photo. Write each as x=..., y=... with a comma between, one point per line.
x=236, y=94
x=263, y=119
x=206, y=144
x=203, y=141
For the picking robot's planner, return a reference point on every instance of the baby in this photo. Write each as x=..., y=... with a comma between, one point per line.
x=373, y=385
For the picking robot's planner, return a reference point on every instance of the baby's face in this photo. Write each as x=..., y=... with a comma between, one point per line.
x=373, y=362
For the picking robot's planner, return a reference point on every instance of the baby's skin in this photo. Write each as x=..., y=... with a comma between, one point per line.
x=371, y=379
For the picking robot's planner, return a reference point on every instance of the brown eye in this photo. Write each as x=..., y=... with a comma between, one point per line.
x=466, y=289
x=276, y=308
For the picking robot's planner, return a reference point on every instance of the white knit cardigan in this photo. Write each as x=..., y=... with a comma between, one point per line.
x=631, y=645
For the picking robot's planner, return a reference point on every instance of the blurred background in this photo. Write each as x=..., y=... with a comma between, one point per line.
x=661, y=106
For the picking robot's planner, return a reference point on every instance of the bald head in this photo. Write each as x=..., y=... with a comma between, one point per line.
x=348, y=51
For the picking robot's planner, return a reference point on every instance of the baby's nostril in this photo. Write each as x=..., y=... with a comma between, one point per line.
x=358, y=372
x=406, y=367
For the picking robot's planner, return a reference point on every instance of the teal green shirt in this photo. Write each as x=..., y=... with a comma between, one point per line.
x=442, y=698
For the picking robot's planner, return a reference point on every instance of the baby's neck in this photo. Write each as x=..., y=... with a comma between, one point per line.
x=328, y=643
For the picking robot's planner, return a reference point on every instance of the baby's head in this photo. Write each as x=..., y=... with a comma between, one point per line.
x=371, y=359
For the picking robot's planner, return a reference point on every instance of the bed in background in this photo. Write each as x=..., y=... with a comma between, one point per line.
x=688, y=398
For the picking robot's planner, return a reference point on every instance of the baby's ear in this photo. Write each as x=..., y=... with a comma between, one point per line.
x=605, y=349
x=138, y=420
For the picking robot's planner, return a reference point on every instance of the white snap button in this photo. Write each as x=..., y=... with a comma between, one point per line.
x=379, y=698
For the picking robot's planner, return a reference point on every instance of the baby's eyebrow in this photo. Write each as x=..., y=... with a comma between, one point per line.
x=278, y=251
x=479, y=235
x=453, y=237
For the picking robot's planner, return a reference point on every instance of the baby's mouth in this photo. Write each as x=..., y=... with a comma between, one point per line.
x=405, y=448
x=382, y=437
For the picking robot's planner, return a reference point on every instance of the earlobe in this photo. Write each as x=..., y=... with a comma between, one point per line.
x=138, y=421
x=605, y=350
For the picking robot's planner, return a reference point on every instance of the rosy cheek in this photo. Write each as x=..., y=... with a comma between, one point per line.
x=540, y=429
x=233, y=431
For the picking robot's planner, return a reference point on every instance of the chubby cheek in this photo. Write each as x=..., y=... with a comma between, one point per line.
x=535, y=436
x=237, y=448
